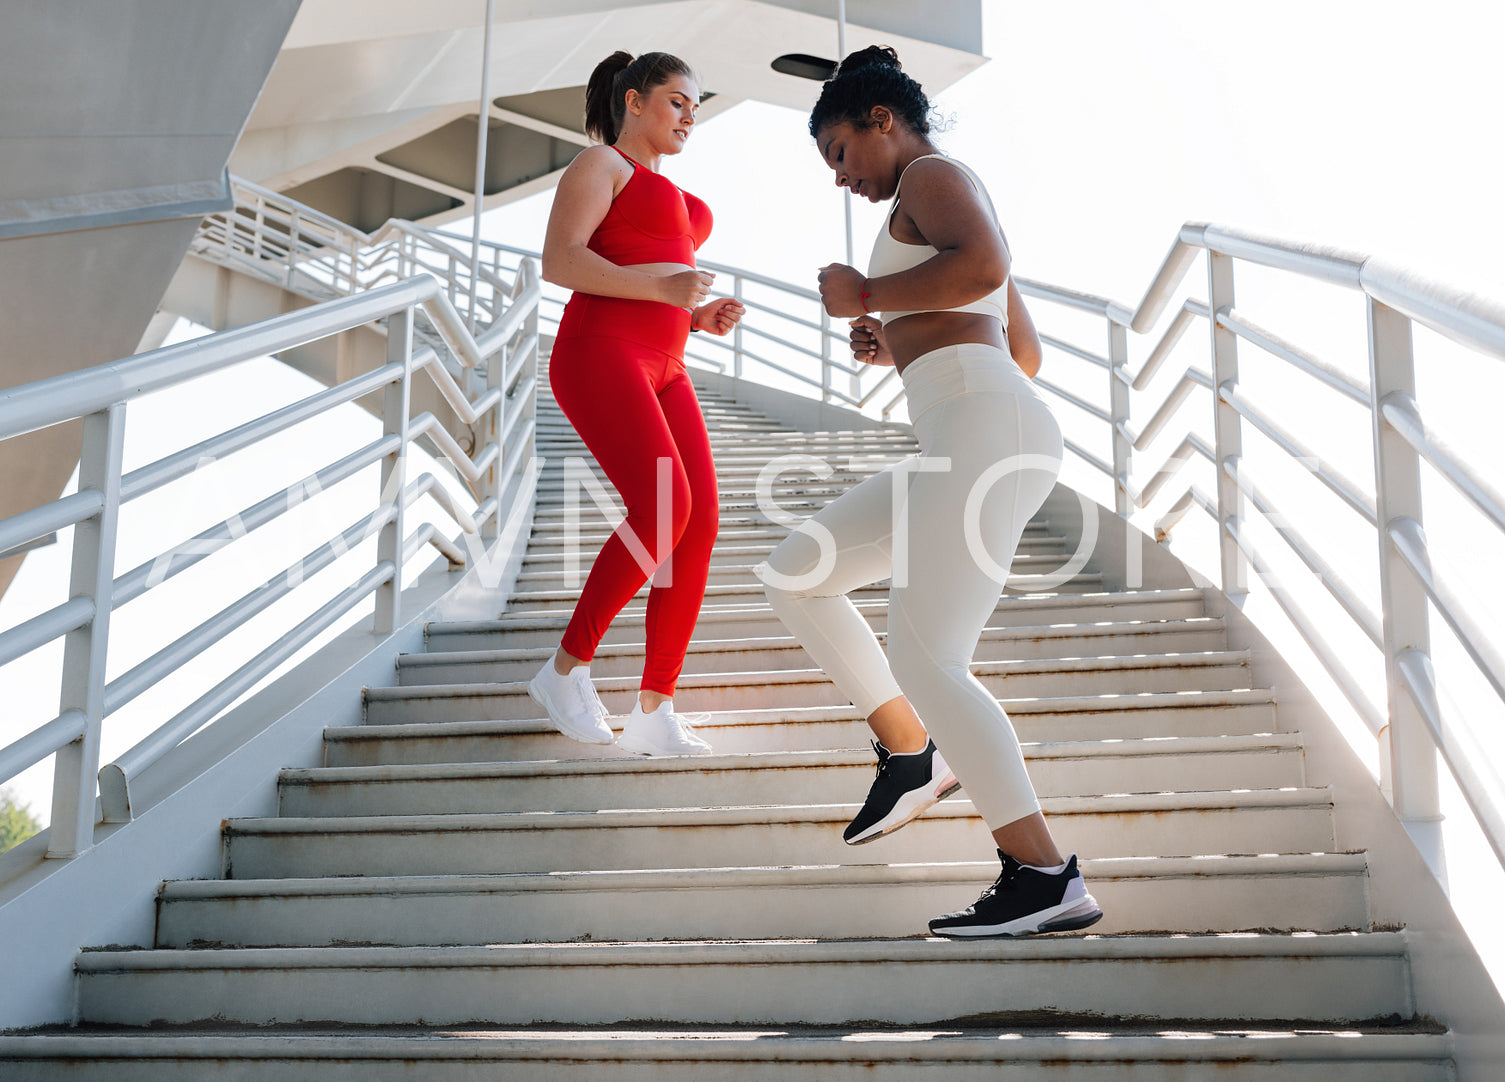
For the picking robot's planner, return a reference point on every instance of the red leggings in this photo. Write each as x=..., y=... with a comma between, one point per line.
x=633, y=405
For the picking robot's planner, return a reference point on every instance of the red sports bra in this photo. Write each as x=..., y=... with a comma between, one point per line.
x=651, y=221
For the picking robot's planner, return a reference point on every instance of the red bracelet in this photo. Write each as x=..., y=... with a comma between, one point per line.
x=865, y=296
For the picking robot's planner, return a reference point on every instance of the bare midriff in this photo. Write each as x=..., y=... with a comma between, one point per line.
x=659, y=270
x=914, y=336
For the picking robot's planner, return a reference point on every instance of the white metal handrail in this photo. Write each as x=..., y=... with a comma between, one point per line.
x=1410, y=726
x=506, y=352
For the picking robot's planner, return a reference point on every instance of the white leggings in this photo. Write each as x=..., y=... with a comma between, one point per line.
x=970, y=404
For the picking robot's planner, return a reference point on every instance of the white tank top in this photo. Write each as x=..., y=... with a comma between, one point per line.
x=891, y=256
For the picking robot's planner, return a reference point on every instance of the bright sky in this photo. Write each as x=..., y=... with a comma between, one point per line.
x=1102, y=126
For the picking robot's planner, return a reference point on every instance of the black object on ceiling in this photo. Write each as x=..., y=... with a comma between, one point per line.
x=805, y=66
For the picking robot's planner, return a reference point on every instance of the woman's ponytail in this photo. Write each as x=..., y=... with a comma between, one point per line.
x=600, y=116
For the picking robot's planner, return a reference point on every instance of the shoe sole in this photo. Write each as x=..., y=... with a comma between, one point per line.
x=902, y=815
x=650, y=749
x=1083, y=913
x=578, y=737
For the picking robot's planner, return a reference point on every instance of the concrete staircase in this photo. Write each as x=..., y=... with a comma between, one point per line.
x=462, y=893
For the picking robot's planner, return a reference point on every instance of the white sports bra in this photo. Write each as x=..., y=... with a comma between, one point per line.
x=891, y=256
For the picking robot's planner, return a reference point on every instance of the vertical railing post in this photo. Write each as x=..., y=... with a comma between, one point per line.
x=825, y=356
x=1227, y=433
x=527, y=409
x=737, y=289
x=293, y=227
x=1411, y=752
x=394, y=469
x=495, y=428
x=85, y=649
x=1118, y=408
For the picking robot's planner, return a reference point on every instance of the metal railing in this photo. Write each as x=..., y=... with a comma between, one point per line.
x=1410, y=726
x=786, y=340
x=502, y=363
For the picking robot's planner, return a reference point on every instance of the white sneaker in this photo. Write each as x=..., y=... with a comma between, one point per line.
x=663, y=732
x=573, y=706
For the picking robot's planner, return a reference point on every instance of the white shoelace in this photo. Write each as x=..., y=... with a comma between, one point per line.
x=580, y=680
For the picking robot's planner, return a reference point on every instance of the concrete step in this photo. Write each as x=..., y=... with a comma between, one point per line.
x=907, y=981
x=396, y=733
x=785, y=652
x=1206, y=671
x=740, y=552
x=1322, y=892
x=525, y=630
x=1069, y=768
x=1096, y=1051
x=567, y=579
x=564, y=600
x=1254, y=821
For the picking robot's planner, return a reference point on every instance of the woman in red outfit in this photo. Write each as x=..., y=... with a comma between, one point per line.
x=624, y=238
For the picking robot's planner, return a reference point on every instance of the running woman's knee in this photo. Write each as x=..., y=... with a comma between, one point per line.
x=794, y=568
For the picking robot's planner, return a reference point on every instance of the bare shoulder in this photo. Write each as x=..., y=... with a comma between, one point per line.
x=598, y=163
x=940, y=177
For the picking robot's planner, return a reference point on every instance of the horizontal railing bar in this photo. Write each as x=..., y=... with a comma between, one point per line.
x=1273, y=344
x=1091, y=459
x=272, y=199
x=1467, y=318
x=762, y=280
x=1168, y=342
x=185, y=554
x=1069, y=298
x=750, y=355
x=114, y=777
x=1410, y=545
x=471, y=470
x=74, y=394
x=429, y=534
x=1170, y=467
x=1342, y=592
x=808, y=324
x=41, y=629
x=1191, y=379
x=1366, y=710
x=1193, y=496
x=1417, y=676
x=428, y=484
x=887, y=378
x=1183, y=252
x=37, y=522
x=426, y=359
x=812, y=353
x=1075, y=351
x=1401, y=412
x=41, y=742
x=1341, y=486
x=128, y=685
x=704, y=361
x=1325, y=263
x=1080, y=403
x=182, y=463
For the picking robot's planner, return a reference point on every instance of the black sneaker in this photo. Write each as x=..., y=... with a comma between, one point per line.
x=1024, y=902
x=905, y=786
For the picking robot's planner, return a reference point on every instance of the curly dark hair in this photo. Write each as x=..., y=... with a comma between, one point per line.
x=869, y=77
x=606, y=92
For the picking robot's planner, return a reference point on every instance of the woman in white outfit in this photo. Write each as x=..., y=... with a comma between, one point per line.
x=944, y=525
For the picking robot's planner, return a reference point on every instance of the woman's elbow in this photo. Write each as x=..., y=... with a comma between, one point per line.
x=548, y=268
x=1026, y=355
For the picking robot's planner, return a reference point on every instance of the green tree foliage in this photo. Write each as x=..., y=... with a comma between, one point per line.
x=16, y=821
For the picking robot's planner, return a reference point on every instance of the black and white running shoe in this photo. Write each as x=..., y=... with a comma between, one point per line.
x=1024, y=901
x=905, y=786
